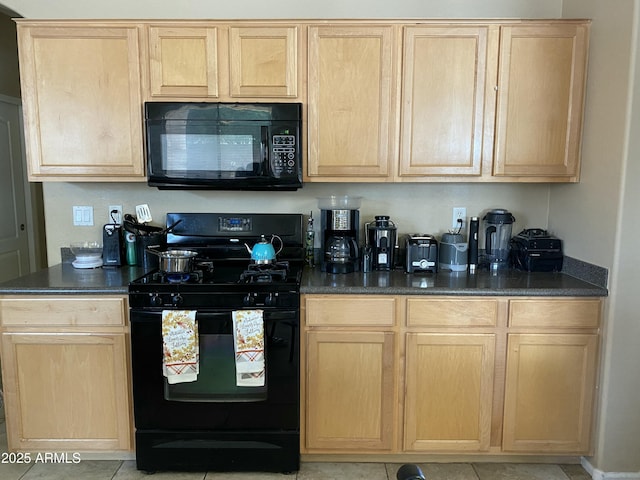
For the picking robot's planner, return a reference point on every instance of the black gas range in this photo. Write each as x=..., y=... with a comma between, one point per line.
x=214, y=423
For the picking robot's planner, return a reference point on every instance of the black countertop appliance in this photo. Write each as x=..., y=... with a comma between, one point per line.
x=534, y=250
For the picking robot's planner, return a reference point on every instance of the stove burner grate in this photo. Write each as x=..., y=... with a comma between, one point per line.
x=265, y=272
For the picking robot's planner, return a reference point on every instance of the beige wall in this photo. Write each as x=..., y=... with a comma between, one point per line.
x=284, y=8
x=598, y=218
x=415, y=208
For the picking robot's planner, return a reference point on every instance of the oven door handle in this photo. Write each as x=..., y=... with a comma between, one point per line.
x=270, y=315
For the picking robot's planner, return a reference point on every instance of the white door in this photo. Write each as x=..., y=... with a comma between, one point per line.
x=14, y=239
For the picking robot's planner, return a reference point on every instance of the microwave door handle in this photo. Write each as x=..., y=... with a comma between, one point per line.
x=264, y=151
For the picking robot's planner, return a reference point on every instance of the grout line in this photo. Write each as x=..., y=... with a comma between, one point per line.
x=475, y=472
x=117, y=470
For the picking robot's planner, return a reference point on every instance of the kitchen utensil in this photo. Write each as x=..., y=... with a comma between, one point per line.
x=498, y=223
x=132, y=225
x=170, y=228
x=175, y=261
x=263, y=252
x=453, y=253
x=143, y=213
x=88, y=254
x=381, y=236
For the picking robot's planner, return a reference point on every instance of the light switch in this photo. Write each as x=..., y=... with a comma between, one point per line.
x=83, y=215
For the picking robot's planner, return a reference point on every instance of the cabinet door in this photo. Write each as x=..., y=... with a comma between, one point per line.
x=350, y=391
x=66, y=391
x=183, y=62
x=263, y=61
x=351, y=126
x=549, y=393
x=540, y=100
x=449, y=392
x=82, y=102
x=443, y=101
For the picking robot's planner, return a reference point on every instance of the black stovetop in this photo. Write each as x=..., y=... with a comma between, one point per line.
x=223, y=268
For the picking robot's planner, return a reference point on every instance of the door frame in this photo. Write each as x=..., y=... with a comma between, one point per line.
x=33, y=201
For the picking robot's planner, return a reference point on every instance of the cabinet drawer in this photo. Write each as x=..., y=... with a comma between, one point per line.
x=347, y=310
x=63, y=311
x=443, y=312
x=566, y=313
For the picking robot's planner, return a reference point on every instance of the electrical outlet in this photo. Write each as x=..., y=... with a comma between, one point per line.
x=459, y=218
x=115, y=217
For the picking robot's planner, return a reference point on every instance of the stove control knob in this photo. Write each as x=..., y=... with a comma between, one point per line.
x=271, y=300
x=248, y=300
x=155, y=300
x=177, y=299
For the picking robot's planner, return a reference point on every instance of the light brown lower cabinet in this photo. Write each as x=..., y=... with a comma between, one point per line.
x=449, y=392
x=434, y=374
x=65, y=372
x=549, y=395
x=350, y=390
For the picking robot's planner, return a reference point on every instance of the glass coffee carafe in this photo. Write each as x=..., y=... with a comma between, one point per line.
x=341, y=250
x=497, y=234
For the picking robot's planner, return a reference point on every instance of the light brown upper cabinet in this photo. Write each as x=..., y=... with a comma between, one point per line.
x=351, y=87
x=487, y=102
x=540, y=100
x=224, y=62
x=81, y=93
x=263, y=62
x=444, y=78
x=183, y=61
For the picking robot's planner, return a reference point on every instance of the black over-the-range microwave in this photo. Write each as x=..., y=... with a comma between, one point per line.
x=223, y=146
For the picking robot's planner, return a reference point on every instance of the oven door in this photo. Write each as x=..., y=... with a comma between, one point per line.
x=213, y=401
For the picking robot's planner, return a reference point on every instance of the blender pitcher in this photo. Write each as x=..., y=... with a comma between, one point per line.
x=498, y=223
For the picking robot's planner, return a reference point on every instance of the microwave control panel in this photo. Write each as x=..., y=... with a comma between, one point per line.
x=284, y=160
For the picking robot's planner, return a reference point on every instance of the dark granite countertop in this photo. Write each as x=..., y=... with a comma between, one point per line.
x=396, y=282
x=63, y=279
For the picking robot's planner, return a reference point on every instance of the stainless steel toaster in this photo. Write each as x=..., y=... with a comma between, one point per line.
x=422, y=253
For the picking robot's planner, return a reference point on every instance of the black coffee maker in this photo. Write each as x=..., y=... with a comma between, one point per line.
x=340, y=236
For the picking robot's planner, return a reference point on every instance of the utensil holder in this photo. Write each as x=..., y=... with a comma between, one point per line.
x=147, y=260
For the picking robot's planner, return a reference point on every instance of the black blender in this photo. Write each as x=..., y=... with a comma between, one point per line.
x=497, y=235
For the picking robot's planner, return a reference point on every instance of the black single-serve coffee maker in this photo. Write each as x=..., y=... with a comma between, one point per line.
x=381, y=237
x=340, y=222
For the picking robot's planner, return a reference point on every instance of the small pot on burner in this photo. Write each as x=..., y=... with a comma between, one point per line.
x=175, y=261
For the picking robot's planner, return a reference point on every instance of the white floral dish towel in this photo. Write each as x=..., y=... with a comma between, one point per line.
x=248, y=336
x=180, y=346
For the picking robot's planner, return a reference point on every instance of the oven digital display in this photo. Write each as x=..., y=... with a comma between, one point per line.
x=234, y=224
